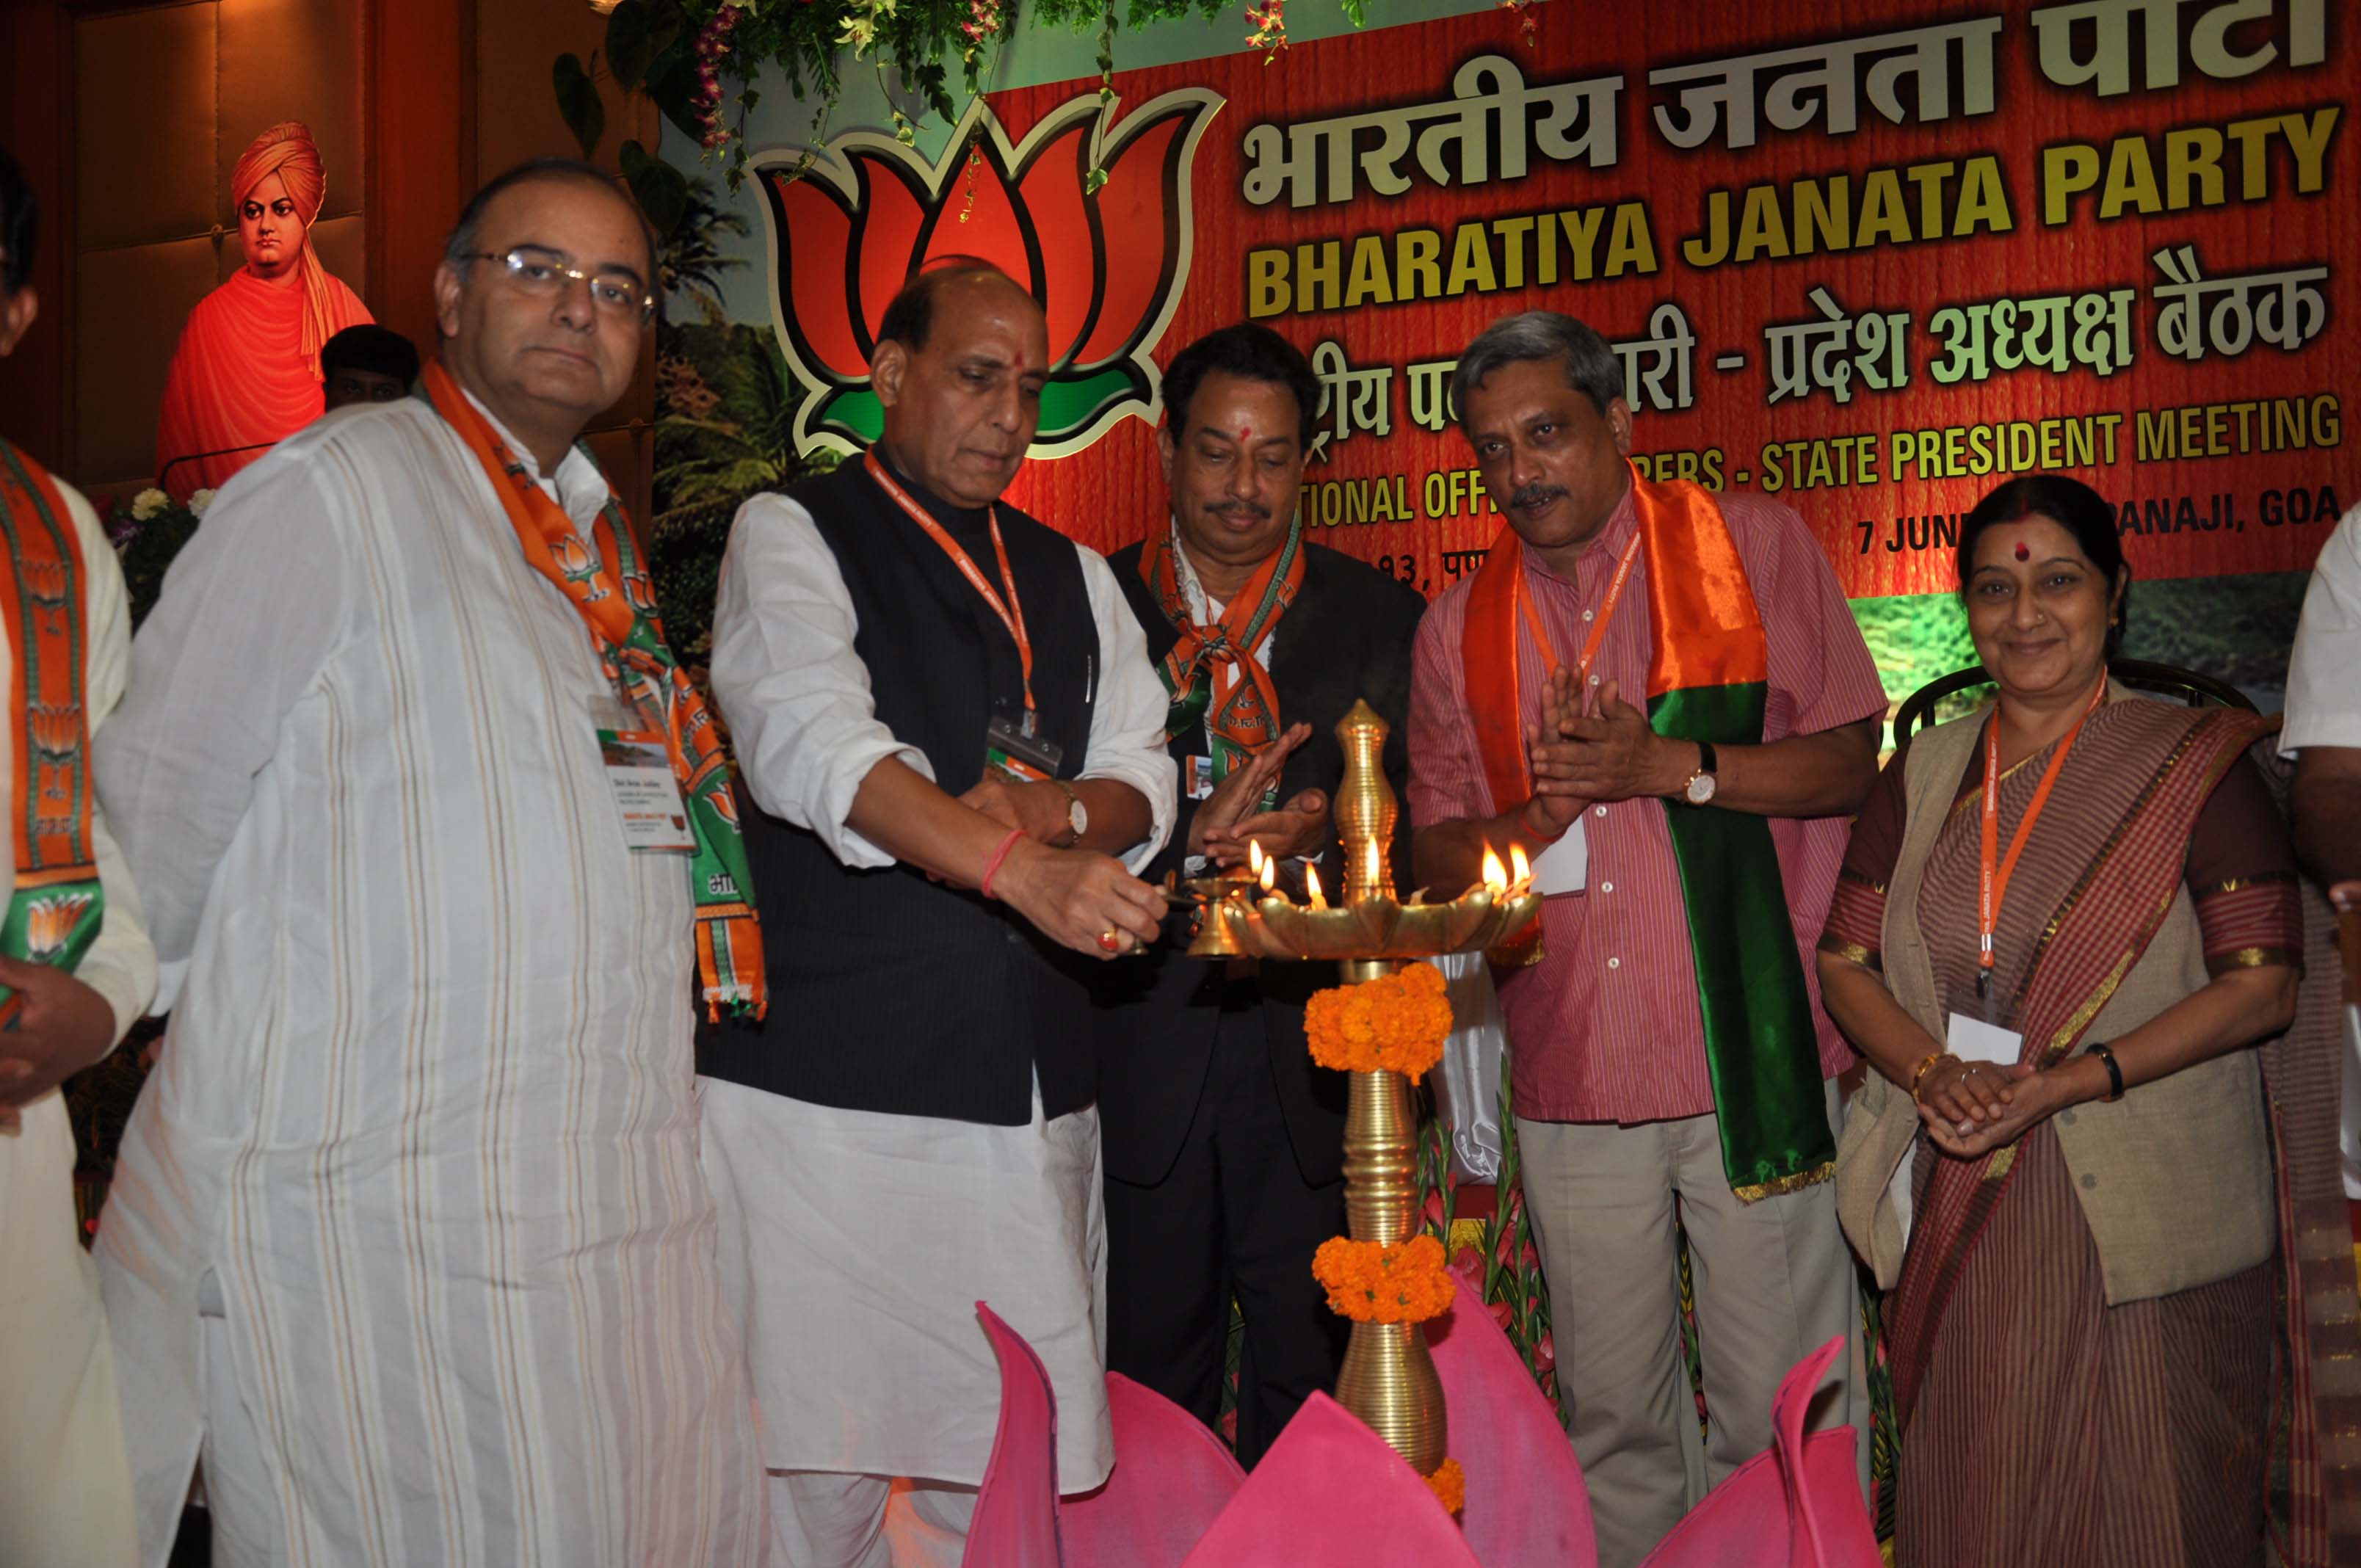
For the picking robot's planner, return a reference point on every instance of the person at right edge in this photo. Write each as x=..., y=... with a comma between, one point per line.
x=1665, y=1043
x=2062, y=923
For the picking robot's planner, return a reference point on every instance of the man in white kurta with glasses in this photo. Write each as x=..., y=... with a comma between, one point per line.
x=410, y=1234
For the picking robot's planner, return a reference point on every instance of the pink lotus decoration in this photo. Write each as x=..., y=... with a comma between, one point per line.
x=1108, y=268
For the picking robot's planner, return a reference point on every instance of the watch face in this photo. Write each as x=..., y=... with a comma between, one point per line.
x=1078, y=818
x=1701, y=789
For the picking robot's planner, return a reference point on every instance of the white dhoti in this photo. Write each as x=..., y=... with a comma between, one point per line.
x=65, y=1488
x=855, y=1245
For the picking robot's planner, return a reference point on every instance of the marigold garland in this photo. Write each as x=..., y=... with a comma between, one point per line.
x=1370, y=1282
x=1396, y=1023
x=1449, y=1484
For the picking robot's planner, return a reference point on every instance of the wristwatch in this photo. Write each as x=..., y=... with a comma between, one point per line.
x=1700, y=790
x=1078, y=815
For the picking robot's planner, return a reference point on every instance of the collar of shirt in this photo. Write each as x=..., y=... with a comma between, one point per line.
x=1594, y=567
x=1205, y=610
x=578, y=486
x=966, y=524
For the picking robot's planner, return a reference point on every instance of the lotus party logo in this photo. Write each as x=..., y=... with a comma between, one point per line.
x=1108, y=268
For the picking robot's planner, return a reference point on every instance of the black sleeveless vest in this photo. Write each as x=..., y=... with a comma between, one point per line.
x=890, y=992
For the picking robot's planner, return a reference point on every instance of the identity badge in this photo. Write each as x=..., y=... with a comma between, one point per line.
x=647, y=795
x=1019, y=750
x=1564, y=866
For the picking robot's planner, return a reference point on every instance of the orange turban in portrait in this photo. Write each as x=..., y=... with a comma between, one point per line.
x=287, y=150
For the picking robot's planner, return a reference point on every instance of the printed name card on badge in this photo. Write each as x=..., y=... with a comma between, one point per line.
x=1564, y=866
x=647, y=796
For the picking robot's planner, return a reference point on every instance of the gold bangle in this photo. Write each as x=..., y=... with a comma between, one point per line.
x=1919, y=1077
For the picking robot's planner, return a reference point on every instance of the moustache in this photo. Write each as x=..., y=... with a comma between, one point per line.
x=1242, y=509
x=1533, y=498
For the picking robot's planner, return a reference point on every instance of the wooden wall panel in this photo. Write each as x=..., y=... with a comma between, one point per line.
x=420, y=101
x=36, y=122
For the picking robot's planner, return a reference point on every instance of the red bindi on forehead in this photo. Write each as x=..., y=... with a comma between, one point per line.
x=1246, y=434
x=2023, y=554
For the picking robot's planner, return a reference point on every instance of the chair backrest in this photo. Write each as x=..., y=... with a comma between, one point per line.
x=2192, y=686
x=1172, y=1478
x=1526, y=1499
x=2346, y=896
x=1796, y=1505
x=1330, y=1494
x=1016, y=1522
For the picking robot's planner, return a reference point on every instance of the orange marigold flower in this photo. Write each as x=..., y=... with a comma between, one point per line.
x=1449, y=1484
x=1396, y=1023
x=1370, y=1282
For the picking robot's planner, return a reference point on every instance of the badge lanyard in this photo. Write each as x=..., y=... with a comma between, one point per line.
x=1598, y=626
x=1010, y=610
x=1991, y=883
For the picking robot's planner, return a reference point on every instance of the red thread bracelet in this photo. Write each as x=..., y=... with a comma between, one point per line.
x=992, y=866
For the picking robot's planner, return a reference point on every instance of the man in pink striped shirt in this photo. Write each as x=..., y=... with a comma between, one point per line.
x=1540, y=661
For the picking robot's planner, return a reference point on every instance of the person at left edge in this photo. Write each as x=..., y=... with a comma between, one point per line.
x=895, y=650
x=1224, y=1142
x=408, y=1233
x=65, y=1490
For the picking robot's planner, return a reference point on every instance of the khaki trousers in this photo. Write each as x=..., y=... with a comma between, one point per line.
x=1774, y=1282
x=65, y=1484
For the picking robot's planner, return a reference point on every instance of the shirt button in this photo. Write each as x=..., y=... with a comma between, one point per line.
x=1587, y=614
x=1615, y=963
x=2065, y=1118
x=2090, y=1180
x=1606, y=887
x=1598, y=811
x=1594, y=680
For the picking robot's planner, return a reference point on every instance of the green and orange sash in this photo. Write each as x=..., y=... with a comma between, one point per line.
x=56, y=908
x=618, y=602
x=1709, y=679
x=1247, y=719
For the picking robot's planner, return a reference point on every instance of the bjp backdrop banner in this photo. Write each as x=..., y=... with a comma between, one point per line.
x=1867, y=260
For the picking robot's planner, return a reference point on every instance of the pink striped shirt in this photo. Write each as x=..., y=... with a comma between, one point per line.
x=1607, y=1027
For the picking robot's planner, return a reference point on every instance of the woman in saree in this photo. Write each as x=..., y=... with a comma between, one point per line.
x=2063, y=923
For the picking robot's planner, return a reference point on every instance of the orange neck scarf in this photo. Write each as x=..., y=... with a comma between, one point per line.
x=618, y=602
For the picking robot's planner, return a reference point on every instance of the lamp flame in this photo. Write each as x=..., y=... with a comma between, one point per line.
x=1312, y=885
x=1268, y=868
x=1520, y=870
x=1496, y=878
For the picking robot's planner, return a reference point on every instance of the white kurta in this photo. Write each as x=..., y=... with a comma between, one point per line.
x=862, y=1242
x=425, y=1116
x=65, y=1494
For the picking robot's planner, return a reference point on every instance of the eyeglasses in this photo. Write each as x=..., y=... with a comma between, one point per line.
x=538, y=271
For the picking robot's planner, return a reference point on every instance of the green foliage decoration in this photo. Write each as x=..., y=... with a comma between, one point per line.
x=697, y=59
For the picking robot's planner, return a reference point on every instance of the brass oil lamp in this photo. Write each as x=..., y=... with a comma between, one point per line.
x=1388, y=1378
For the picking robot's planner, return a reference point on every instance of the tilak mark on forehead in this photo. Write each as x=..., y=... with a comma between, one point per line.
x=2022, y=553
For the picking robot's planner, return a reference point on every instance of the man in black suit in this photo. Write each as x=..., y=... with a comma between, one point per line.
x=1224, y=1143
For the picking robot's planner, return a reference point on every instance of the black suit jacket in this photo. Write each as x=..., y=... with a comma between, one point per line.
x=1346, y=637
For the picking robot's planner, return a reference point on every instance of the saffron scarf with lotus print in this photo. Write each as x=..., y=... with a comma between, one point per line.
x=605, y=583
x=56, y=908
x=1245, y=720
